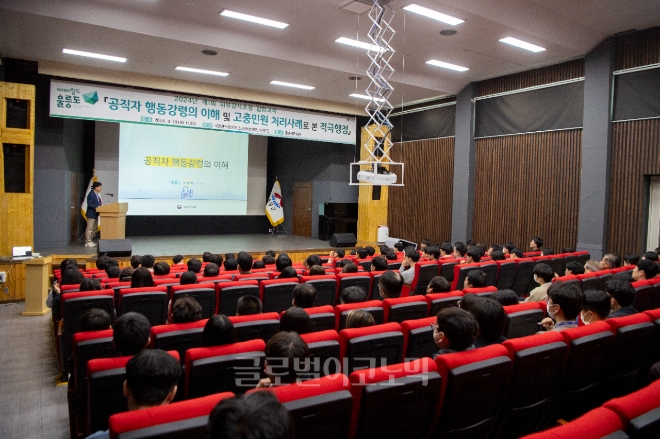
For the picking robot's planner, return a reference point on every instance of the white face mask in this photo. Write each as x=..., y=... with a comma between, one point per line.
x=584, y=321
x=536, y=279
x=547, y=308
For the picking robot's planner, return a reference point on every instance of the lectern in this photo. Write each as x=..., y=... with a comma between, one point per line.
x=113, y=220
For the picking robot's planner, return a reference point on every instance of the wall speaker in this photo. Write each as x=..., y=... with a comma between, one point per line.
x=115, y=248
x=343, y=240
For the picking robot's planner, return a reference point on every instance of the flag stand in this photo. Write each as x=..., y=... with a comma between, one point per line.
x=275, y=230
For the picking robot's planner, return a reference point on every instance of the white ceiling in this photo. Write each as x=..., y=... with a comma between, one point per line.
x=157, y=35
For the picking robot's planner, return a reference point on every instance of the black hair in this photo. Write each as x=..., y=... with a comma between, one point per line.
x=491, y=318
x=544, y=271
x=282, y=262
x=575, y=267
x=350, y=267
x=304, y=295
x=258, y=264
x=459, y=326
x=460, y=247
x=439, y=285
x=516, y=251
x=398, y=246
x=413, y=255
x=211, y=269
x=362, y=252
x=379, y=263
x=110, y=263
x=446, y=248
x=72, y=276
x=649, y=268
x=113, y=272
x=632, y=259
x=370, y=250
x=596, y=301
x=67, y=263
x=509, y=246
x=230, y=264
x=474, y=253
x=126, y=274
x=218, y=331
x=206, y=257
x=268, y=260
x=497, y=255
x=312, y=260
x=188, y=278
x=624, y=275
x=538, y=241
x=176, y=259
x=384, y=249
x=95, y=320
x=248, y=305
x=151, y=376
x=148, y=261
x=287, y=273
x=90, y=285
x=390, y=284
x=391, y=256
x=426, y=241
x=568, y=250
x=131, y=333
x=432, y=250
x=505, y=297
x=547, y=252
x=476, y=278
x=340, y=252
x=216, y=259
x=359, y=318
x=230, y=256
x=651, y=256
x=297, y=320
x=142, y=278
x=186, y=309
x=353, y=294
x=244, y=260
x=161, y=268
x=286, y=354
x=568, y=297
x=270, y=253
x=495, y=247
x=136, y=261
x=194, y=265
x=96, y=184
x=316, y=270
x=101, y=261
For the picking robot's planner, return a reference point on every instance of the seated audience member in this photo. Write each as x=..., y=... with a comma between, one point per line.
x=353, y=294
x=142, y=278
x=131, y=333
x=126, y=274
x=255, y=415
x=230, y=256
x=270, y=253
x=337, y=253
x=359, y=318
x=390, y=284
x=151, y=381
x=344, y=262
x=287, y=359
x=438, y=285
x=564, y=305
x=491, y=318
x=101, y=261
x=459, y=249
x=370, y=250
x=516, y=253
x=188, y=278
x=432, y=252
x=468, y=300
x=282, y=262
x=493, y=248
x=311, y=261
x=244, y=261
x=508, y=248
x=304, y=296
x=391, y=256
x=248, y=305
x=505, y=297
x=288, y=273
x=268, y=260
x=407, y=269
x=595, y=306
x=475, y=279
x=454, y=331
x=651, y=256
x=568, y=250
x=446, y=250
x=398, y=246
x=425, y=243
x=624, y=275
x=350, y=267
x=216, y=259
x=95, y=320
x=543, y=276
x=573, y=268
x=622, y=296
x=186, y=310
x=211, y=270
x=536, y=244
x=379, y=263
x=472, y=255
x=113, y=272
x=90, y=285
x=610, y=261
x=177, y=260
x=297, y=320
x=148, y=262
x=161, y=269
x=258, y=265
x=230, y=264
x=362, y=253
x=206, y=257
x=136, y=261
x=317, y=270
x=70, y=275
x=644, y=270
x=384, y=249
x=591, y=266
x=497, y=255
x=218, y=331
x=547, y=252
x=194, y=265
x=630, y=259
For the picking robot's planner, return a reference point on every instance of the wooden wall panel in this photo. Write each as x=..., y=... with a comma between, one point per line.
x=528, y=185
x=635, y=155
x=638, y=49
x=15, y=283
x=545, y=75
x=422, y=208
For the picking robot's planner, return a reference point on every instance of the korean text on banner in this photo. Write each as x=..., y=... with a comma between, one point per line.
x=274, y=210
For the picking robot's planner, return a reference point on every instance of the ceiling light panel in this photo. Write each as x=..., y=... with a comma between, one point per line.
x=253, y=19
x=359, y=96
x=94, y=55
x=289, y=84
x=446, y=65
x=421, y=10
x=522, y=44
x=206, y=72
x=359, y=44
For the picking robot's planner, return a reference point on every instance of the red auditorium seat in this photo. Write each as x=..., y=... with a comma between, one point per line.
x=491, y=270
x=374, y=293
x=228, y=293
x=447, y=268
x=259, y=277
x=326, y=288
x=151, y=302
x=204, y=293
x=599, y=423
x=424, y=272
x=404, y=308
x=603, y=278
x=324, y=352
x=178, y=336
x=256, y=326
x=644, y=295
x=167, y=282
x=394, y=265
x=374, y=307
x=506, y=274
x=176, y=420
x=381, y=393
x=656, y=296
x=523, y=319
x=570, y=279
x=582, y=257
x=639, y=412
x=524, y=276
x=438, y=301
x=116, y=287
x=461, y=272
x=558, y=264
x=418, y=338
x=277, y=294
x=319, y=408
x=234, y=368
x=590, y=281
x=481, y=291
x=473, y=387
x=538, y=364
x=362, y=280
x=369, y=347
x=654, y=314
x=322, y=317
x=69, y=288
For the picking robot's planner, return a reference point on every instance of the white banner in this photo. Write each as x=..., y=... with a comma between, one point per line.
x=113, y=104
x=274, y=210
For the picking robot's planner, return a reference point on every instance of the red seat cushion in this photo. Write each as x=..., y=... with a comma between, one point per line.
x=637, y=403
x=519, y=344
x=633, y=319
x=79, y=337
x=339, y=309
x=218, y=351
x=254, y=317
x=314, y=337
x=594, y=424
x=490, y=289
x=347, y=334
x=308, y=389
x=162, y=329
x=583, y=331
x=388, y=303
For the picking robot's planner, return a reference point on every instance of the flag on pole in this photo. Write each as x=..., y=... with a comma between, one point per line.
x=274, y=210
x=83, y=205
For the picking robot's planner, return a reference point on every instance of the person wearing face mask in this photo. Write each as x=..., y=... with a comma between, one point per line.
x=564, y=305
x=595, y=306
x=543, y=276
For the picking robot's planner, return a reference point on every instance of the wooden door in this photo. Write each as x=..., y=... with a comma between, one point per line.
x=74, y=211
x=302, y=209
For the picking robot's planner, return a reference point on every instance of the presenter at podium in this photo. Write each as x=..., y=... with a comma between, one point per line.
x=93, y=201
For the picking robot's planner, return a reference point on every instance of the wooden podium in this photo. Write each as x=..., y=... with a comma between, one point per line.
x=113, y=220
x=36, y=286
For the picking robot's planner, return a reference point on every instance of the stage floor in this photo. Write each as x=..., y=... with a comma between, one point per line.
x=198, y=244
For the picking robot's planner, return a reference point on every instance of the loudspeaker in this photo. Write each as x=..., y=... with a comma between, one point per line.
x=115, y=248
x=343, y=240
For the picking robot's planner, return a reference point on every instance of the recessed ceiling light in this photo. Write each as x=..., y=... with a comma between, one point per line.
x=209, y=52
x=448, y=32
x=94, y=55
x=253, y=19
x=206, y=72
x=288, y=84
x=522, y=44
x=447, y=65
x=433, y=14
x=359, y=96
x=356, y=43
x=355, y=78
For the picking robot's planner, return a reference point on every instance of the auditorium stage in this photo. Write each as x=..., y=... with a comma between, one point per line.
x=198, y=244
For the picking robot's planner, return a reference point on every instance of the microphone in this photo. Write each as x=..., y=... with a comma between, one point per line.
x=112, y=195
